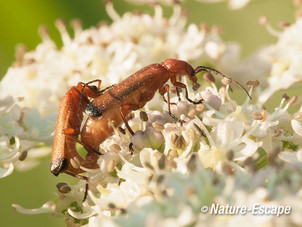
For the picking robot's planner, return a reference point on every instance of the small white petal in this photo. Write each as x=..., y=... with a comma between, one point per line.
x=213, y=50
x=6, y=172
x=299, y=155
x=249, y=149
x=5, y=156
x=86, y=214
x=290, y=156
x=48, y=207
x=237, y=4
x=147, y=155
x=297, y=127
x=27, y=165
x=227, y=132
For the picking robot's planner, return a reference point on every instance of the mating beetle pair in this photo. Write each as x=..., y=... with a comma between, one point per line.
x=112, y=104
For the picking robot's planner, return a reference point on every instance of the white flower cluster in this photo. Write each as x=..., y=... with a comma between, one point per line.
x=233, y=4
x=286, y=61
x=22, y=131
x=218, y=152
x=230, y=153
x=110, y=52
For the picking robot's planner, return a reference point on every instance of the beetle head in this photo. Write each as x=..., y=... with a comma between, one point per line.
x=181, y=68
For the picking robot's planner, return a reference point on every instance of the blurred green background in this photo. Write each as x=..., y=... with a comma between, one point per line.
x=19, y=21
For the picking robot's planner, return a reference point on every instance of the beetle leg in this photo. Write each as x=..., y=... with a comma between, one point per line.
x=199, y=130
x=131, y=148
x=181, y=85
x=171, y=103
x=178, y=93
x=81, y=178
x=127, y=107
x=69, y=131
x=165, y=100
x=162, y=91
x=86, y=191
x=99, y=84
x=87, y=148
x=76, y=92
x=76, y=175
x=107, y=88
x=90, y=92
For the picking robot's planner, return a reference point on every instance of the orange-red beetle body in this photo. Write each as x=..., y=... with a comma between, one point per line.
x=131, y=94
x=67, y=130
x=113, y=105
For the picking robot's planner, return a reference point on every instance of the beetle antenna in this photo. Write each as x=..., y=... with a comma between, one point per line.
x=211, y=70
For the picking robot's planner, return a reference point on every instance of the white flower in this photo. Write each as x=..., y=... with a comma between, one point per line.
x=233, y=4
x=20, y=132
x=290, y=156
x=227, y=136
x=111, y=52
x=214, y=152
x=131, y=42
x=48, y=207
x=286, y=58
x=238, y=4
x=166, y=2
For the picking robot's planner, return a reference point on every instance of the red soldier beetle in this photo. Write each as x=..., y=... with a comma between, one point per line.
x=67, y=130
x=134, y=92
